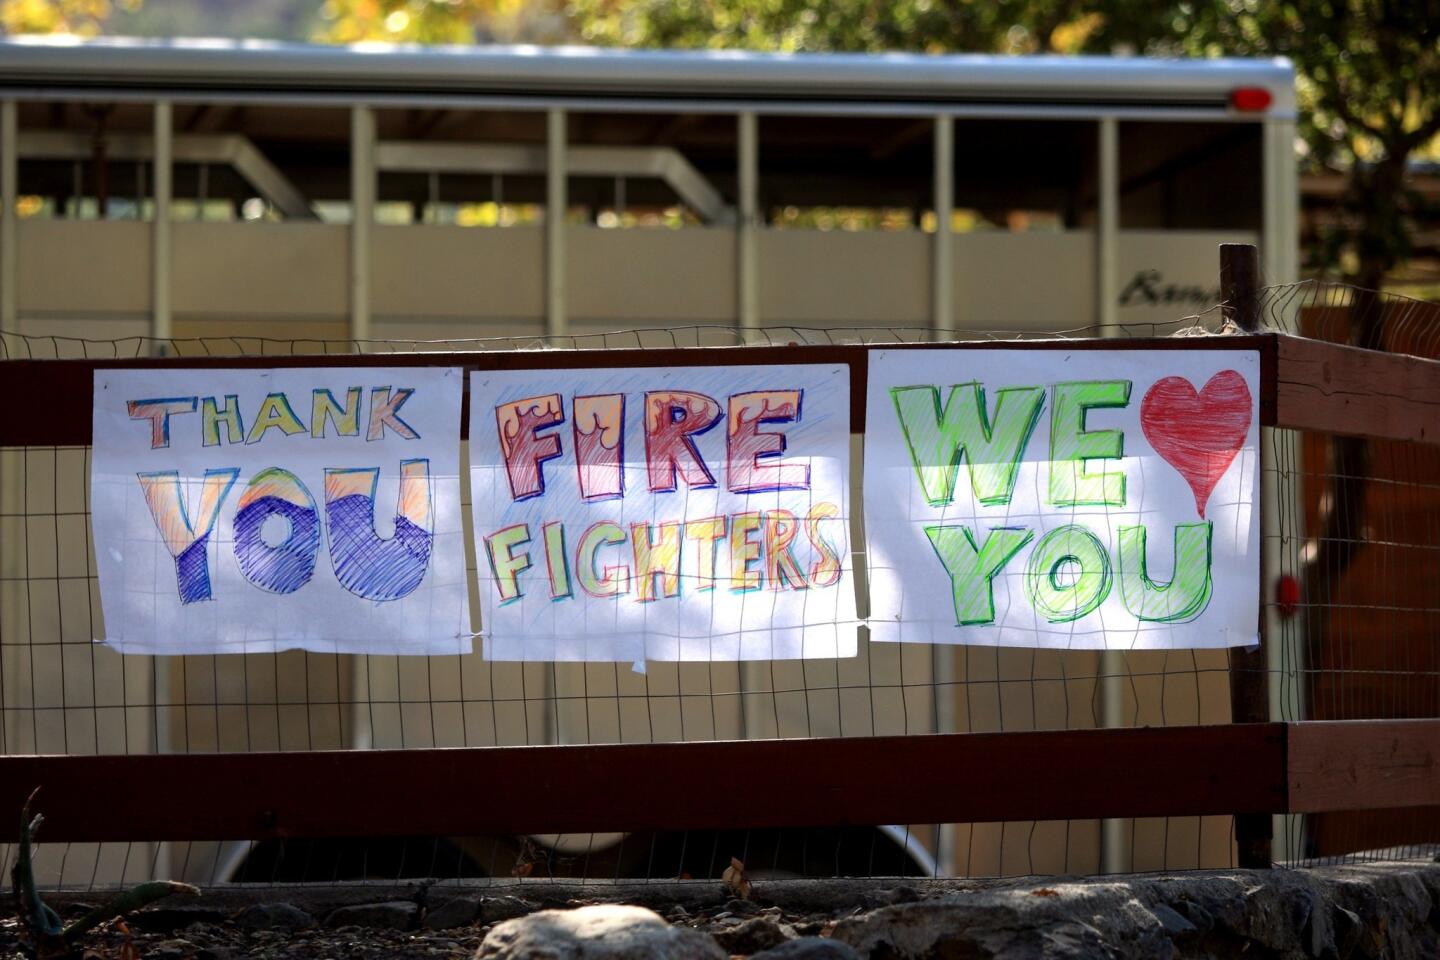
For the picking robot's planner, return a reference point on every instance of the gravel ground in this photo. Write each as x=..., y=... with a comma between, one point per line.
x=198, y=931
x=204, y=941
x=1345, y=912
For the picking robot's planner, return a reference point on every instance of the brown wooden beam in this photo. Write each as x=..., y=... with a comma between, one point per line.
x=1305, y=384
x=52, y=398
x=1331, y=388
x=1249, y=682
x=1238, y=769
x=1037, y=775
x=1363, y=764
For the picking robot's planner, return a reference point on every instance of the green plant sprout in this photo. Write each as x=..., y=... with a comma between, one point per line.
x=48, y=937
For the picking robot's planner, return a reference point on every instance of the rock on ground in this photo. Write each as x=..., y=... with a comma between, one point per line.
x=809, y=948
x=272, y=916
x=391, y=915
x=497, y=909
x=1283, y=915
x=455, y=912
x=752, y=935
x=600, y=932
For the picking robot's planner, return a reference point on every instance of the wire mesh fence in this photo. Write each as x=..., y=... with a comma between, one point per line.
x=1358, y=543
x=1354, y=527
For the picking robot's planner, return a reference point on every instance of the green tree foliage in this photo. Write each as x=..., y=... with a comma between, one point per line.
x=80, y=17
x=1369, y=86
x=441, y=21
x=933, y=26
x=426, y=21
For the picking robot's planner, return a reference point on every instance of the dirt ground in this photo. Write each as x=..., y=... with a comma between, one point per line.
x=1349, y=910
x=369, y=920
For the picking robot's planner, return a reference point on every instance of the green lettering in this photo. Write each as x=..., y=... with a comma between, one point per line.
x=1072, y=446
x=1068, y=575
x=1188, y=592
x=972, y=568
x=939, y=437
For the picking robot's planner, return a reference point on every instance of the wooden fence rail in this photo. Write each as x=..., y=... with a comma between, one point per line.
x=1252, y=768
x=1305, y=384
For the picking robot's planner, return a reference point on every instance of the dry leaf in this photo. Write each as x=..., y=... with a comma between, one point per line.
x=1044, y=892
x=128, y=950
x=735, y=879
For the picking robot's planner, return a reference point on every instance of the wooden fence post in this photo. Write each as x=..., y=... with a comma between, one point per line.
x=1249, y=686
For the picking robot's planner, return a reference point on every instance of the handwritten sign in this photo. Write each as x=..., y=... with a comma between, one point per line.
x=684, y=513
x=259, y=510
x=1070, y=499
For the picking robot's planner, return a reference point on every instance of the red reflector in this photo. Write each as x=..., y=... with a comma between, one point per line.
x=1287, y=595
x=1250, y=99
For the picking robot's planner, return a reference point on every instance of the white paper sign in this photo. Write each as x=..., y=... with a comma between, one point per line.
x=249, y=511
x=682, y=513
x=1063, y=499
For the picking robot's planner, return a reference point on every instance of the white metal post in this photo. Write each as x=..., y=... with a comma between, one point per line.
x=1280, y=263
x=1280, y=247
x=161, y=327
x=9, y=194
x=169, y=680
x=362, y=222
x=12, y=471
x=747, y=308
x=557, y=321
x=942, y=323
x=747, y=261
x=942, y=285
x=362, y=218
x=1113, y=841
x=1107, y=228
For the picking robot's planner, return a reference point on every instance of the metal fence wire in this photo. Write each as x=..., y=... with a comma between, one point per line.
x=1354, y=632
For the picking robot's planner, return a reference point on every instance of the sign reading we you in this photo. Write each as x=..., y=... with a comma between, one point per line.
x=683, y=513
x=1064, y=499
x=248, y=511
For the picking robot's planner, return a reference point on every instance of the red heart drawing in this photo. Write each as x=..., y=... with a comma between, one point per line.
x=1198, y=434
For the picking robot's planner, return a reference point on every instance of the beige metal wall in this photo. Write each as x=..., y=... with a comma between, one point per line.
x=241, y=279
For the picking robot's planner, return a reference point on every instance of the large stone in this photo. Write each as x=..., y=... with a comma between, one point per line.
x=1000, y=924
x=752, y=935
x=273, y=916
x=1200, y=918
x=1172, y=923
x=809, y=948
x=600, y=932
x=498, y=909
x=1353, y=911
x=1348, y=931
x=455, y=912
x=390, y=915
